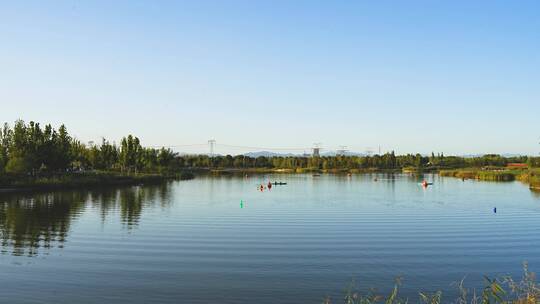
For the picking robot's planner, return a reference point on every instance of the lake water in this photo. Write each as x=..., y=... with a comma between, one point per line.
x=218, y=239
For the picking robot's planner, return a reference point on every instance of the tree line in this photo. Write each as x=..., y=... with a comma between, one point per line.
x=32, y=149
x=28, y=148
x=385, y=161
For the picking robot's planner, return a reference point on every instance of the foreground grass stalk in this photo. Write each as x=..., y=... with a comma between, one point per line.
x=495, y=291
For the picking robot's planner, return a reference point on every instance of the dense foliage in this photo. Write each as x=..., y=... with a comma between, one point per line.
x=30, y=149
x=385, y=161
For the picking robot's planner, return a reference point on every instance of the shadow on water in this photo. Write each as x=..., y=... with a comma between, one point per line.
x=34, y=220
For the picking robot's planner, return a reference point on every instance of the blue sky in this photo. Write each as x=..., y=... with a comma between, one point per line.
x=458, y=77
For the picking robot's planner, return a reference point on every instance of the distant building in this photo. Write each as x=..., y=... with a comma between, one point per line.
x=316, y=152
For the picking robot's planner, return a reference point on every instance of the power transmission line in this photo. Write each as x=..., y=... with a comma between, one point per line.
x=262, y=148
x=176, y=146
x=212, y=145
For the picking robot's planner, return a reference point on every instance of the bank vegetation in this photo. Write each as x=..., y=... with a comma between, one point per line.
x=36, y=155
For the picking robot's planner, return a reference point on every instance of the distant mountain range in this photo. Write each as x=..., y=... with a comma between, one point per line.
x=269, y=154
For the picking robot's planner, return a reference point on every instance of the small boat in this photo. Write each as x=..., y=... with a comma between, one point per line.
x=316, y=175
x=425, y=183
x=279, y=183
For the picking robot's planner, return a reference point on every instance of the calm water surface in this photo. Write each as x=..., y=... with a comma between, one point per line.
x=194, y=242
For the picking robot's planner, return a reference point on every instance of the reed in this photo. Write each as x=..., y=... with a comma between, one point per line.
x=461, y=173
x=500, y=290
x=530, y=176
x=534, y=181
x=499, y=176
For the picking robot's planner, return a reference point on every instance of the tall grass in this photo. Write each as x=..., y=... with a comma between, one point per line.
x=534, y=181
x=486, y=175
x=504, y=176
x=501, y=290
x=464, y=173
x=531, y=176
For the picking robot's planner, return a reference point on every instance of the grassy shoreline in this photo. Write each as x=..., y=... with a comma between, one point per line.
x=14, y=183
x=530, y=176
x=112, y=178
x=479, y=174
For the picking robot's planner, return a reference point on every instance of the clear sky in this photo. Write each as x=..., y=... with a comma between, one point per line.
x=458, y=77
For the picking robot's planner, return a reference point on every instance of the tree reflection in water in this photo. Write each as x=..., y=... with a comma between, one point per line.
x=30, y=221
